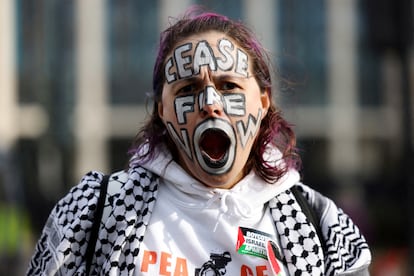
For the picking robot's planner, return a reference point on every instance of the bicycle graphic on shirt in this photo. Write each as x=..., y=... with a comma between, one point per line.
x=216, y=266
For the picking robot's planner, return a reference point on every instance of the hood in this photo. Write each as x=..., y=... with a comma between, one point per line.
x=244, y=200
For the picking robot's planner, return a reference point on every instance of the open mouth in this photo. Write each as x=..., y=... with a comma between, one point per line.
x=214, y=145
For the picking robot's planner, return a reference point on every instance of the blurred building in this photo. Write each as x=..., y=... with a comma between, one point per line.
x=74, y=77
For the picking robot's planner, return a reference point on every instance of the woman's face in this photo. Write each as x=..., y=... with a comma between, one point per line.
x=212, y=107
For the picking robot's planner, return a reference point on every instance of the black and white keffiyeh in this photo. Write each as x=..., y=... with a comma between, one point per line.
x=344, y=245
x=301, y=247
x=62, y=245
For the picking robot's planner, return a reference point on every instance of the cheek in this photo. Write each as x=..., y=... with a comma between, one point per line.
x=183, y=108
x=248, y=128
x=178, y=121
x=253, y=101
x=168, y=113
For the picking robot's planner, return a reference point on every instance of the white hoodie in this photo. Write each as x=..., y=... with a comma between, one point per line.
x=193, y=225
x=167, y=223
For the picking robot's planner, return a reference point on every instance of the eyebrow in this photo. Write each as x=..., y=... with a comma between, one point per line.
x=220, y=77
x=179, y=82
x=223, y=77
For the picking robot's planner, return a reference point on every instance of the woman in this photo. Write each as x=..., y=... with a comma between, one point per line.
x=212, y=187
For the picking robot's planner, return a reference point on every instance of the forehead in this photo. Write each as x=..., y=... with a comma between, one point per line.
x=212, y=37
x=213, y=49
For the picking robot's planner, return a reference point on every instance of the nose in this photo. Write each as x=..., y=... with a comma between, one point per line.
x=211, y=103
x=212, y=110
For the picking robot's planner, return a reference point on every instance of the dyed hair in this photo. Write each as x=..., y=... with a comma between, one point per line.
x=274, y=130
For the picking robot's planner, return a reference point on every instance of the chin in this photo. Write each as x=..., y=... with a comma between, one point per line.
x=226, y=181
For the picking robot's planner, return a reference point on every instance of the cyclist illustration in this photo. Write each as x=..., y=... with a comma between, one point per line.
x=216, y=266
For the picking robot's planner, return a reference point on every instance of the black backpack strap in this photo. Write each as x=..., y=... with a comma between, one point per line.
x=90, y=250
x=310, y=213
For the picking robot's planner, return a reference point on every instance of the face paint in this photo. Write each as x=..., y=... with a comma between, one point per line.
x=182, y=61
x=183, y=64
x=209, y=97
x=215, y=142
x=215, y=146
x=204, y=55
x=182, y=106
x=225, y=48
x=251, y=129
x=217, y=157
x=242, y=64
x=211, y=107
x=170, y=77
x=183, y=142
x=234, y=104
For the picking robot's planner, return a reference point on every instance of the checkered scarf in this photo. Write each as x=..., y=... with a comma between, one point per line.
x=343, y=244
x=62, y=245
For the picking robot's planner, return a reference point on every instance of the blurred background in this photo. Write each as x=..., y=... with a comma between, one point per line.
x=74, y=77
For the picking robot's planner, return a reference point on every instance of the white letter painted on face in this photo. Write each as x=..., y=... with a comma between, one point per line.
x=182, y=61
x=184, y=143
x=235, y=104
x=183, y=105
x=203, y=55
x=209, y=97
x=251, y=129
x=170, y=77
x=242, y=66
x=226, y=62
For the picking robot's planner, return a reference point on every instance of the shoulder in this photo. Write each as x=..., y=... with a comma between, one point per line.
x=347, y=249
x=329, y=214
x=64, y=237
x=80, y=201
x=319, y=203
x=136, y=179
x=130, y=199
x=133, y=189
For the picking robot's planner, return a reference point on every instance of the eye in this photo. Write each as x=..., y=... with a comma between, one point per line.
x=229, y=86
x=189, y=88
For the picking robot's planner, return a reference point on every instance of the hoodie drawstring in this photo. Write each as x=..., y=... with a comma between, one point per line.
x=227, y=199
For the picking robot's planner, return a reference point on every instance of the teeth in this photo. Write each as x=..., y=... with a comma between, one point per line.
x=213, y=162
x=211, y=157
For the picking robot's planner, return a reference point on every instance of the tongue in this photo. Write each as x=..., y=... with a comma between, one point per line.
x=214, y=144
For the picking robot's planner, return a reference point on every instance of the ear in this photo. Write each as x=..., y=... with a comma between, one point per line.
x=160, y=110
x=265, y=99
